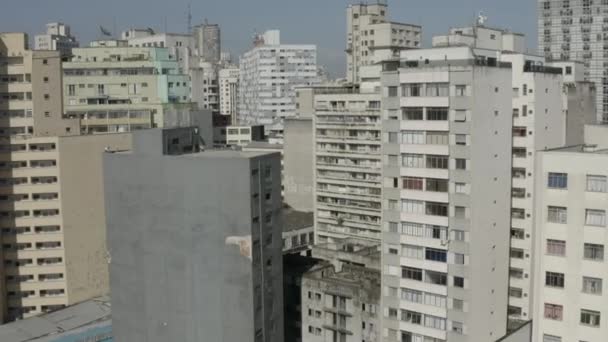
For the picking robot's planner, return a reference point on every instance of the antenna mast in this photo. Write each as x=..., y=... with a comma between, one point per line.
x=189, y=18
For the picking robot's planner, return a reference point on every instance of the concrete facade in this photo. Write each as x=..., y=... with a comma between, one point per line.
x=298, y=164
x=575, y=30
x=569, y=297
x=229, y=92
x=268, y=76
x=371, y=37
x=175, y=275
x=58, y=38
x=446, y=163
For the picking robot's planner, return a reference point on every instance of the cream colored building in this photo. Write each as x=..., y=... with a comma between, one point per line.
x=51, y=209
x=119, y=89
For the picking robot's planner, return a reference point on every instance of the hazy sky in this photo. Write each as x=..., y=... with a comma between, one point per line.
x=319, y=22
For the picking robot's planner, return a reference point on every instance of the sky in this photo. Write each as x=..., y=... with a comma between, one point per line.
x=319, y=22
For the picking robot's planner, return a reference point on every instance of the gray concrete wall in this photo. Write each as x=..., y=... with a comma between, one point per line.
x=173, y=275
x=581, y=111
x=298, y=164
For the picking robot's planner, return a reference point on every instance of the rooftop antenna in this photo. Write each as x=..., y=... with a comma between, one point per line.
x=189, y=17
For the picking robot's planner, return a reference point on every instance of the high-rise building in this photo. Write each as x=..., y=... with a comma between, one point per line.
x=446, y=186
x=570, y=263
x=53, y=227
x=180, y=45
x=193, y=257
x=207, y=42
x=58, y=38
x=372, y=37
x=347, y=163
x=576, y=30
x=121, y=88
x=229, y=92
x=269, y=74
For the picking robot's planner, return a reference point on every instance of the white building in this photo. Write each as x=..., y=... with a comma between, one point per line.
x=569, y=296
x=58, y=37
x=178, y=44
x=269, y=73
x=576, y=30
x=446, y=187
x=371, y=37
x=229, y=90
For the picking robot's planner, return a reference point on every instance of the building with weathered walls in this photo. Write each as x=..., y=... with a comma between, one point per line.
x=57, y=38
x=212, y=268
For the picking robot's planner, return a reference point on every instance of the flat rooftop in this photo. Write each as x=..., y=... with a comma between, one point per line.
x=264, y=145
x=294, y=220
x=591, y=149
x=76, y=319
x=226, y=153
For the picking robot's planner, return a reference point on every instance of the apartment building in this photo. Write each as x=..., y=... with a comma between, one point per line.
x=229, y=92
x=53, y=246
x=207, y=42
x=372, y=37
x=347, y=163
x=180, y=45
x=218, y=255
x=120, y=89
x=569, y=295
x=268, y=76
x=58, y=37
x=577, y=30
x=446, y=184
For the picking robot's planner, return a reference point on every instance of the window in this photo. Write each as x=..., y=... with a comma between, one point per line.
x=411, y=90
x=437, y=89
x=393, y=227
x=596, y=183
x=411, y=295
x=436, y=255
x=589, y=317
x=459, y=282
x=556, y=247
x=595, y=217
x=393, y=138
x=461, y=164
x=457, y=304
x=551, y=338
x=558, y=180
x=557, y=214
x=412, y=183
x=460, y=188
x=411, y=273
x=434, y=322
x=412, y=252
x=436, y=114
x=71, y=89
x=436, y=278
x=517, y=253
x=460, y=115
x=411, y=317
x=515, y=292
x=437, y=138
x=461, y=139
x=412, y=137
x=458, y=235
x=436, y=209
x=554, y=311
x=436, y=185
x=460, y=212
x=392, y=91
x=592, y=285
x=413, y=160
x=461, y=90
x=594, y=252
x=412, y=206
x=412, y=113
x=436, y=162
x=554, y=279
x=457, y=327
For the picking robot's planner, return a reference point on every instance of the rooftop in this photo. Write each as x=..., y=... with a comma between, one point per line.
x=592, y=149
x=263, y=145
x=294, y=220
x=92, y=314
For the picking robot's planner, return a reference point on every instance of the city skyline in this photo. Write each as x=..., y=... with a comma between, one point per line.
x=293, y=18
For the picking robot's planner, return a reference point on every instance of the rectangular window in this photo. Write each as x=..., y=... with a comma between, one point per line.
x=457, y=304
x=596, y=183
x=393, y=138
x=412, y=113
x=435, y=300
x=413, y=183
x=557, y=180
x=554, y=279
x=459, y=282
x=436, y=255
x=460, y=139
x=434, y=322
x=71, y=89
x=437, y=89
x=460, y=188
x=393, y=227
x=412, y=229
x=436, y=114
x=412, y=206
x=411, y=317
x=458, y=235
x=592, y=285
x=595, y=217
x=557, y=214
x=436, y=185
x=413, y=160
x=551, y=338
x=589, y=317
x=556, y=247
x=461, y=164
x=411, y=90
x=594, y=252
x=436, y=278
x=460, y=115
x=437, y=138
x=436, y=162
x=412, y=252
x=436, y=209
x=413, y=296
x=411, y=273
x=393, y=91
x=554, y=311
x=461, y=90
x=412, y=137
